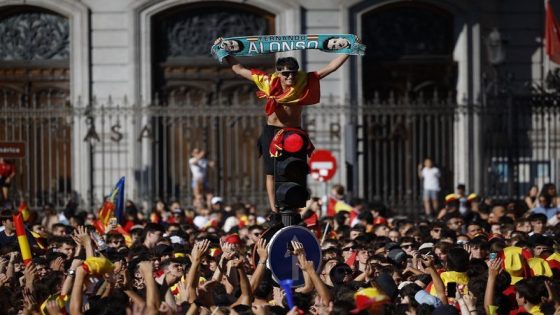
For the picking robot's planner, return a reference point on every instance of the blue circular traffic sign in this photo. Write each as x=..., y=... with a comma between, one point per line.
x=280, y=259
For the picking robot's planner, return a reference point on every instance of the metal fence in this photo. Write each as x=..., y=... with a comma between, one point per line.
x=397, y=135
x=519, y=142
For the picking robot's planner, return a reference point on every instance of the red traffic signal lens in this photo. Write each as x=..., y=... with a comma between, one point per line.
x=293, y=143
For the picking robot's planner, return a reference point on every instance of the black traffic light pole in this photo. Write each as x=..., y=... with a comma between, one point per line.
x=288, y=215
x=290, y=179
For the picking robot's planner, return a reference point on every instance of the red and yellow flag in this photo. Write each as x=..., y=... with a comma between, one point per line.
x=41, y=241
x=24, y=210
x=22, y=239
x=305, y=91
x=113, y=206
x=334, y=206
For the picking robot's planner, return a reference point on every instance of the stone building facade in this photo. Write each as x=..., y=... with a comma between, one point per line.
x=136, y=52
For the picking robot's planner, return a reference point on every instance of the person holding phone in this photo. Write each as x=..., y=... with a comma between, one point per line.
x=457, y=266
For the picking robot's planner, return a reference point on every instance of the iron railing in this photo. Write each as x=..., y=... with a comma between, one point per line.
x=519, y=143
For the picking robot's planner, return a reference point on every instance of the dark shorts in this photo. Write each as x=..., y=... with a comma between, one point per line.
x=3, y=182
x=263, y=145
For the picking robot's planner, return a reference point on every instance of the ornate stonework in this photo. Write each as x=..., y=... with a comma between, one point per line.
x=34, y=36
x=192, y=34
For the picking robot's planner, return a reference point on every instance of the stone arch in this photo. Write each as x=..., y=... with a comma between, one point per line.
x=287, y=20
x=77, y=14
x=466, y=34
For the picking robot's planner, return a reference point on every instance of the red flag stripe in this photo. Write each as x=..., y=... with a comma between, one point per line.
x=552, y=35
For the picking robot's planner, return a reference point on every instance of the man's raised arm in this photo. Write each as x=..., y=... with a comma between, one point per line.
x=332, y=66
x=237, y=67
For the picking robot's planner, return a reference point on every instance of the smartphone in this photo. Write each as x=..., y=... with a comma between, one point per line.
x=493, y=256
x=451, y=289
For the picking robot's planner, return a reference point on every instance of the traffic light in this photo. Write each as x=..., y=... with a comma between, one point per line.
x=291, y=169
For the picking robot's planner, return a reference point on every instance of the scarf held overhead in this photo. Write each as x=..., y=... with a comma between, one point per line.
x=257, y=45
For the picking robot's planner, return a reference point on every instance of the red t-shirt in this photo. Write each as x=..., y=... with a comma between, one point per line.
x=6, y=170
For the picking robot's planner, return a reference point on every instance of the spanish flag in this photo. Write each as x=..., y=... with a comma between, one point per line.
x=113, y=206
x=41, y=241
x=24, y=210
x=305, y=91
x=22, y=239
x=334, y=206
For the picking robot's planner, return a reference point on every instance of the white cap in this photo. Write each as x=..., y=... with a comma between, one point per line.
x=216, y=200
x=426, y=245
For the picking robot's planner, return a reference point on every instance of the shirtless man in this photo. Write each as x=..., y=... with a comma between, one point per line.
x=281, y=114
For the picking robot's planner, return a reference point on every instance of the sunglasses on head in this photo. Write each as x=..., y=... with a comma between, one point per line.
x=287, y=73
x=349, y=248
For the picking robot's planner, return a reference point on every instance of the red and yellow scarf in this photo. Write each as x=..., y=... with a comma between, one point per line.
x=306, y=90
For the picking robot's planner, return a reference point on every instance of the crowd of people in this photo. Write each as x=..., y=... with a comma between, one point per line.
x=492, y=258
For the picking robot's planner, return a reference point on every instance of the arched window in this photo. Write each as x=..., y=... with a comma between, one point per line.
x=410, y=47
x=189, y=80
x=34, y=92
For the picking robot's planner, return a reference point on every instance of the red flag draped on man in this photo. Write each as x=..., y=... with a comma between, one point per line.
x=552, y=35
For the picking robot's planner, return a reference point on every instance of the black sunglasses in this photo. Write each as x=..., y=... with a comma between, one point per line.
x=287, y=73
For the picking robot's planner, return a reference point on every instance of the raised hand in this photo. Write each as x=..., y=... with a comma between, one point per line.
x=262, y=250
x=278, y=296
x=29, y=274
x=81, y=236
x=495, y=267
x=427, y=261
x=146, y=268
x=13, y=256
x=199, y=249
x=57, y=264
x=298, y=248
x=228, y=249
x=236, y=263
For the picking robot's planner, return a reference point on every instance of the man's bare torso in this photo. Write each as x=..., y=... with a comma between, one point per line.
x=286, y=116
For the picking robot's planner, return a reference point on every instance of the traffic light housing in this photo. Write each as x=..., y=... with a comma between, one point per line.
x=290, y=171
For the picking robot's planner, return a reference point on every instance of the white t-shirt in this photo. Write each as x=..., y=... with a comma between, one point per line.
x=431, y=178
x=198, y=168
